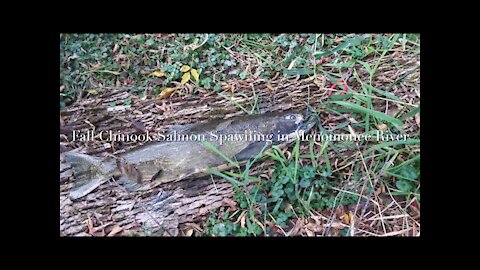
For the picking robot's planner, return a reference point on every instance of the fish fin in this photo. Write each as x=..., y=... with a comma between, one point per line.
x=250, y=151
x=89, y=173
x=156, y=175
x=127, y=182
x=87, y=188
x=130, y=174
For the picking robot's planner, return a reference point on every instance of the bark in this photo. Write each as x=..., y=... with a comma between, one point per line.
x=172, y=207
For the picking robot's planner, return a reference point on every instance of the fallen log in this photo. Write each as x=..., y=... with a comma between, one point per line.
x=172, y=207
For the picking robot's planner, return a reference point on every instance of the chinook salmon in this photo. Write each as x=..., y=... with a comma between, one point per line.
x=237, y=138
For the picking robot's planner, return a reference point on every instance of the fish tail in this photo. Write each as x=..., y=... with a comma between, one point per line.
x=90, y=172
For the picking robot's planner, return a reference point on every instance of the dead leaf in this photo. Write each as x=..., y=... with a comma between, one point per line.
x=240, y=217
x=194, y=74
x=90, y=225
x=352, y=132
x=189, y=232
x=261, y=225
x=194, y=226
x=242, y=221
x=269, y=86
x=92, y=91
x=296, y=229
x=309, y=233
x=102, y=227
x=166, y=93
x=337, y=225
x=158, y=73
x=108, y=71
x=185, y=78
x=417, y=119
x=288, y=154
x=139, y=126
x=230, y=203
x=158, y=81
x=184, y=68
x=346, y=217
x=115, y=48
x=288, y=207
x=382, y=127
x=116, y=229
x=315, y=227
x=352, y=120
x=340, y=211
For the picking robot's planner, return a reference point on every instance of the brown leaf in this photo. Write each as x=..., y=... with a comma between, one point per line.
x=240, y=217
x=116, y=229
x=139, y=126
x=309, y=233
x=115, y=48
x=340, y=211
x=261, y=225
x=102, y=227
x=337, y=225
x=298, y=226
x=90, y=225
x=269, y=86
x=242, y=221
x=189, y=232
x=288, y=207
x=194, y=226
x=346, y=217
x=158, y=81
x=383, y=127
x=230, y=203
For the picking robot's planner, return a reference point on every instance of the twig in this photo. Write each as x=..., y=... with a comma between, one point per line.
x=334, y=212
x=215, y=186
x=375, y=181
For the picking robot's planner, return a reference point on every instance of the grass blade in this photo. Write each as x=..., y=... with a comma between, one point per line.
x=298, y=71
x=392, y=143
x=384, y=93
x=214, y=149
x=411, y=113
x=378, y=115
x=231, y=179
x=349, y=42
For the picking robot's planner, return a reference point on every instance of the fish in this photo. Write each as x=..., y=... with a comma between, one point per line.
x=238, y=138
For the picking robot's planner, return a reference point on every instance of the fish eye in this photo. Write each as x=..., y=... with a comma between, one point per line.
x=290, y=117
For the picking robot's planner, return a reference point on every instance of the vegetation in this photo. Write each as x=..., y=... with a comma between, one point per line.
x=376, y=190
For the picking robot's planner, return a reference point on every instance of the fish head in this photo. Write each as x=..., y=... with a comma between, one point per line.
x=289, y=124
